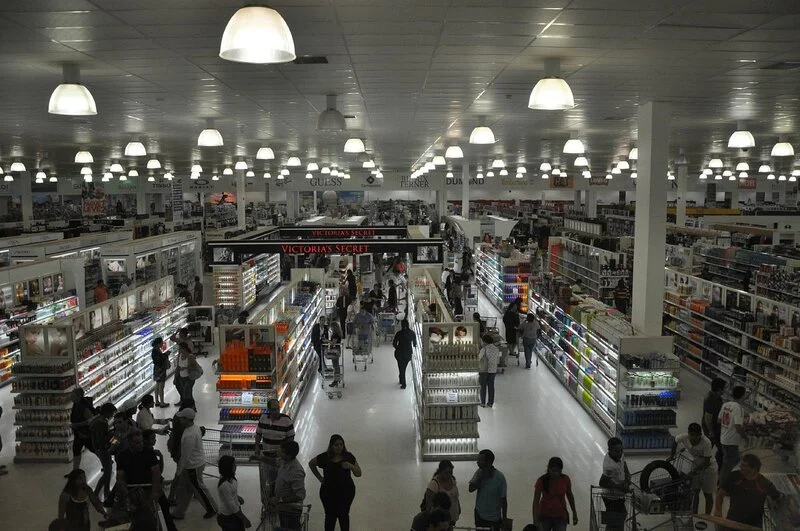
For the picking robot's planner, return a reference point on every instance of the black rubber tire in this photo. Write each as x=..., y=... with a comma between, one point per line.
x=644, y=480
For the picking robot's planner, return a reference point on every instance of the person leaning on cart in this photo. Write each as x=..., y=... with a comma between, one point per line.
x=616, y=477
x=748, y=490
x=290, y=488
x=274, y=428
x=704, y=468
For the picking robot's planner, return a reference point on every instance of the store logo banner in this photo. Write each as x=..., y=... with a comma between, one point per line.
x=419, y=182
x=598, y=180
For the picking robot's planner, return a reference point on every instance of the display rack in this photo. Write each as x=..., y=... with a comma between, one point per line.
x=779, y=283
x=149, y=259
x=627, y=384
x=104, y=349
x=444, y=370
x=502, y=279
x=732, y=266
x=238, y=286
x=37, y=292
x=272, y=357
x=8, y=244
x=743, y=338
x=600, y=270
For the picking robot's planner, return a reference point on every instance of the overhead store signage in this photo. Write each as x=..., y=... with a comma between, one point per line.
x=335, y=231
x=747, y=184
x=598, y=180
x=325, y=183
x=424, y=251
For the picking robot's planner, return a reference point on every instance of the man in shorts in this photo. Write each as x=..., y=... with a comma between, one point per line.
x=704, y=467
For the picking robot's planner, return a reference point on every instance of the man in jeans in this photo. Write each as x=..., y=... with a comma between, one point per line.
x=274, y=428
x=616, y=479
x=731, y=432
x=100, y=435
x=491, y=503
x=190, y=468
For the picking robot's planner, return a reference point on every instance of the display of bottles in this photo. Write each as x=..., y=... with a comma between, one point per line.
x=42, y=384
x=41, y=432
x=662, y=399
x=232, y=382
x=443, y=396
x=646, y=440
x=649, y=418
x=450, y=412
x=23, y=368
x=55, y=451
x=653, y=360
x=34, y=400
x=451, y=446
x=243, y=431
x=649, y=380
x=235, y=399
x=456, y=429
x=452, y=357
x=46, y=417
x=450, y=380
x=242, y=414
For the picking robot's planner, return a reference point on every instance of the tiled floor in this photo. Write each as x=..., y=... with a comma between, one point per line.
x=533, y=419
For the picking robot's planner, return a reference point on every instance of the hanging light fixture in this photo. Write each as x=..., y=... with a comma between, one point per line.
x=331, y=119
x=240, y=165
x=731, y=177
x=556, y=172
x=545, y=167
x=438, y=160
x=83, y=157
x=368, y=164
x=743, y=166
x=209, y=137
x=609, y=176
x=782, y=149
x=227, y=171
x=454, y=152
x=741, y=138
x=312, y=166
x=479, y=175
x=503, y=172
x=771, y=177
x=8, y=178
x=335, y=172
x=86, y=170
x=133, y=173
x=87, y=178
x=449, y=175
x=430, y=166
x=379, y=175
x=551, y=93
x=71, y=98
x=519, y=176
x=257, y=35
x=135, y=149
x=581, y=162
x=574, y=146
x=284, y=171
x=151, y=178
x=743, y=175
x=325, y=170
x=194, y=175
x=116, y=168
x=634, y=175
x=708, y=171
x=498, y=163
x=215, y=177
x=615, y=170
x=522, y=169
x=168, y=176
x=727, y=173
x=482, y=135
x=545, y=176
x=703, y=176
x=715, y=164
x=265, y=153
x=793, y=179
x=796, y=172
x=53, y=178
x=154, y=164
x=764, y=168
x=267, y=175
x=670, y=176
x=309, y=175
x=346, y=175
x=781, y=177
x=294, y=162
x=490, y=173
x=250, y=173
x=586, y=174
x=17, y=166
x=623, y=165
x=354, y=145
x=123, y=177
x=634, y=154
x=718, y=177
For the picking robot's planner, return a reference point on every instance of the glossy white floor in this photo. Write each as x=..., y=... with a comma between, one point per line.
x=533, y=419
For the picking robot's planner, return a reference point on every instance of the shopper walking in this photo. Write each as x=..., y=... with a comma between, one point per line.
x=511, y=323
x=748, y=490
x=488, y=360
x=197, y=291
x=190, y=468
x=391, y=297
x=352, y=285
x=73, y=503
x=704, y=468
x=364, y=325
x=318, y=332
x=274, y=428
x=334, y=350
x=137, y=465
x=549, y=508
x=149, y=437
x=290, y=488
x=617, y=479
x=731, y=434
x=404, y=342
x=342, y=302
x=491, y=501
x=338, y=489
x=80, y=417
x=712, y=405
x=530, y=334
x=230, y=517
x=160, y=367
x=101, y=446
x=100, y=292
x=444, y=482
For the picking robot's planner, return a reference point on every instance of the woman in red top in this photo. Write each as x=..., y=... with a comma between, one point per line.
x=549, y=508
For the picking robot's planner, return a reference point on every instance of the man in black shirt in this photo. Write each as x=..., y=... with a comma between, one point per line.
x=81, y=416
x=711, y=408
x=748, y=491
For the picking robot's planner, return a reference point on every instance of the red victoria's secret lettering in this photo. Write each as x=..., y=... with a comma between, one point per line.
x=302, y=248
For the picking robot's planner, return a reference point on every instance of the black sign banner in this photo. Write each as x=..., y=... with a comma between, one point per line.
x=334, y=232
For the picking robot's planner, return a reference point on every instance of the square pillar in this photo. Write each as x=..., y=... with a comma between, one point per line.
x=241, y=221
x=651, y=218
x=465, y=190
x=682, y=180
x=591, y=204
x=576, y=202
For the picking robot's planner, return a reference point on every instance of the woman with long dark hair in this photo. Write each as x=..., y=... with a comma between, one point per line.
x=511, y=321
x=338, y=489
x=73, y=504
x=444, y=481
x=549, y=506
x=230, y=516
x=160, y=368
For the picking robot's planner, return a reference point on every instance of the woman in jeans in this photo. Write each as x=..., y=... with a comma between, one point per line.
x=530, y=332
x=549, y=506
x=488, y=359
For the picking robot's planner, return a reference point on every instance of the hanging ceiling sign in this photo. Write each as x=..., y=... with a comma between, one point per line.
x=323, y=183
x=598, y=180
x=420, y=182
x=746, y=184
x=423, y=251
x=339, y=232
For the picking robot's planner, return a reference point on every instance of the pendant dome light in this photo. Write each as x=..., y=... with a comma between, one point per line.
x=545, y=167
x=449, y=175
x=741, y=138
x=743, y=175
x=116, y=168
x=430, y=166
x=609, y=176
x=215, y=177
x=227, y=171
x=258, y=35
x=556, y=172
x=703, y=176
x=250, y=173
x=454, y=152
x=708, y=171
x=764, y=168
x=309, y=175
x=545, y=176
x=771, y=177
x=240, y=165
x=482, y=135
x=354, y=145
x=503, y=172
x=17, y=166
x=581, y=162
x=71, y=98
x=151, y=178
x=368, y=164
x=781, y=177
x=743, y=166
x=194, y=175
x=634, y=175
x=265, y=153
x=168, y=176
x=209, y=137
x=83, y=157
x=715, y=164
x=196, y=168
x=284, y=171
x=551, y=93
x=490, y=173
x=522, y=169
x=793, y=179
x=574, y=146
x=346, y=175
x=154, y=164
x=727, y=173
x=717, y=177
x=267, y=175
x=53, y=178
x=498, y=163
x=796, y=172
x=615, y=170
x=634, y=154
x=438, y=160
x=623, y=165
x=331, y=119
x=8, y=178
x=782, y=149
x=135, y=149
x=133, y=173
x=325, y=170
x=479, y=175
x=87, y=178
x=520, y=175
x=335, y=172
x=86, y=170
x=312, y=166
x=586, y=174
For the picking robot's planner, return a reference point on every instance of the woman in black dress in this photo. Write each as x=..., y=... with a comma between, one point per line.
x=352, y=287
x=73, y=504
x=511, y=322
x=338, y=490
x=160, y=368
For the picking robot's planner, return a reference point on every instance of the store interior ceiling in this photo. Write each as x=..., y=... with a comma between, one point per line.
x=410, y=75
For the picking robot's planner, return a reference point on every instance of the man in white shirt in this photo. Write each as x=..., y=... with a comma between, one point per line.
x=731, y=432
x=488, y=360
x=190, y=468
x=617, y=479
x=704, y=468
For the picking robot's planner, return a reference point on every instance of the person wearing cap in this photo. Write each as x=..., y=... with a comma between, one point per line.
x=190, y=468
x=274, y=428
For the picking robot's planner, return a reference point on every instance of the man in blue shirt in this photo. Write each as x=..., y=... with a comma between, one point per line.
x=491, y=503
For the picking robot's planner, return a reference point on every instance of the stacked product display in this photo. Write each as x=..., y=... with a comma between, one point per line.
x=733, y=266
x=745, y=339
x=502, y=276
x=779, y=283
x=627, y=383
x=599, y=270
x=445, y=374
x=270, y=358
x=238, y=286
x=104, y=349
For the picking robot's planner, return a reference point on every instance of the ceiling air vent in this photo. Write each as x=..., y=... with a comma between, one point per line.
x=311, y=60
x=783, y=65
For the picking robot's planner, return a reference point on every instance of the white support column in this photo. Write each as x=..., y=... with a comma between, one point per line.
x=465, y=190
x=651, y=218
x=682, y=180
x=735, y=195
x=591, y=204
x=576, y=202
x=291, y=205
x=27, y=200
x=241, y=220
x=141, y=196
x=782, y=193
x=441, y=201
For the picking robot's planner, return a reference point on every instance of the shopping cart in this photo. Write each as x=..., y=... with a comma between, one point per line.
x=611, y=510
x=333, y=375
x=387, y=324
x=285, y=518
x=362, y=350
x=215, y=445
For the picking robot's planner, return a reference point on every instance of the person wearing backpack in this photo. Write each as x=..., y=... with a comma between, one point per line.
x=443, y=482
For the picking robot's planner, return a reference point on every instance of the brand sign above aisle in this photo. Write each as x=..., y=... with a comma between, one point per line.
x=335, y=231
x=326, y=182
x=231, y=251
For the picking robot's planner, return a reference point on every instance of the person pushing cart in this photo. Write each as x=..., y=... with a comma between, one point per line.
x=364, y=324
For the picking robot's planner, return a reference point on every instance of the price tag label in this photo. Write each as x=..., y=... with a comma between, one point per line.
x=247, y=399
x=451, y=397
